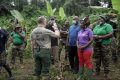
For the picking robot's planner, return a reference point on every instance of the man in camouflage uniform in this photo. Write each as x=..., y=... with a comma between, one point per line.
x=17, y=38
x=102, y=35
x=63, y=39
x=113, y=40
x=41, y=46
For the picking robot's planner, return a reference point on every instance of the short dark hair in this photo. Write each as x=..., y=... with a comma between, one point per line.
x=41, y=19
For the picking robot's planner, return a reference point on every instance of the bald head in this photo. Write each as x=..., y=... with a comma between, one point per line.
x=75, y=18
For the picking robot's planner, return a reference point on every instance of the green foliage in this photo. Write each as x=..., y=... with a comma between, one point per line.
x=49, y=9
x=94, y=18
x=116, y=4
x=76, y=7
x=62, y=13
x=31, y=11
x=118, y=20
x=100, y=10
x=18, y=16
x=5, y=22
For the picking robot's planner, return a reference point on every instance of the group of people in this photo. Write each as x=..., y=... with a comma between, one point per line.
x=82, y=44
x=18, y=40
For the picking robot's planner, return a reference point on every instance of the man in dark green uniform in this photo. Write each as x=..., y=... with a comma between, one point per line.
x=113, y=40
x=41, y=45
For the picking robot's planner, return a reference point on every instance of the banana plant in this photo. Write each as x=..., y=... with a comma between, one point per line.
x=62, y=13
x=18, y=16
x=50, y=11
x=116, y=5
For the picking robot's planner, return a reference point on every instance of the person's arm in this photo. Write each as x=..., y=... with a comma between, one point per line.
x=67, y=42
x=64, y=32
x=77, y=43
x=109, y=30
x=32, y=41
x=106, y=36
x=89, y=43
x=10, y=40
x=90, y=40
x=22, y=35
x=56, y=32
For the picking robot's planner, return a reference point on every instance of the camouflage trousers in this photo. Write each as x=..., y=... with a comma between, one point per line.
x=17, y=51
x=102, y=56
x=114, y=49
x=62, y=45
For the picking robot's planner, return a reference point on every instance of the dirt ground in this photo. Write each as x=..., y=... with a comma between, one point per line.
x=26, y=72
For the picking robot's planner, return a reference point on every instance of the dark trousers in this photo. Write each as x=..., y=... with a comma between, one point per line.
x=3, y=63
x=42, y=61
x=73, y=58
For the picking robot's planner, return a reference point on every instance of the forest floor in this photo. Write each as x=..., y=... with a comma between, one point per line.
x=26, y=72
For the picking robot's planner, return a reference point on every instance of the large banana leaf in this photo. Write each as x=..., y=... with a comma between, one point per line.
x=19, y=17
x=54, y=10
x=116, y=5
x=49, y=9
x=62, y=13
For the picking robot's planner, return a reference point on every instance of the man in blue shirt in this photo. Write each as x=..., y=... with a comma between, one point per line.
x=73, y=56
x=3, y=57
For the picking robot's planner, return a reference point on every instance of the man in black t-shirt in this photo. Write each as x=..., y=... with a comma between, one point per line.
x=3, y=55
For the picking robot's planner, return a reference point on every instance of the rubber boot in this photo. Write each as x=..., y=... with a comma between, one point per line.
x=90, y=75
x=81, y=73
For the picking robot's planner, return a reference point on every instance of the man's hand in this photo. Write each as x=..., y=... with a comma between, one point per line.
x=54, y=26
x=82, y=47
x=96, y=37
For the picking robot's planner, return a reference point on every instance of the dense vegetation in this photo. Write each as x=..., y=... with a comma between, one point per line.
x=61, y=9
